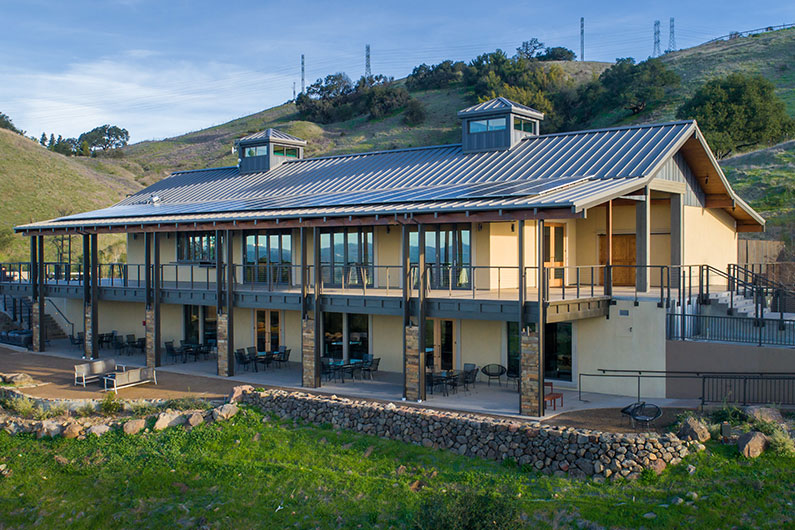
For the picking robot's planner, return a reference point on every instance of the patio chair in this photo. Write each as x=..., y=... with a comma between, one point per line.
x=171, y=351
x=630, y=409
x=119, y=345
x=283, y=357
x=454, y=383
x=352, y=369
x=646, y=413
x=515, y=376
x=494, y=371
x=552, y=396
x=76, y=341
x=470, y=376
x=370, y=367
x=242, y=359
x=329, y=370
x=140, y=345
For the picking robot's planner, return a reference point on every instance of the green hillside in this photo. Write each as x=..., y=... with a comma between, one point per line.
x=766, y=179
x=37, y=184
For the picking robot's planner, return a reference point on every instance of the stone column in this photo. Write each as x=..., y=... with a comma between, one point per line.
x=35, y=326
x=151, y=356
x=411, y=337
x=309, y=368
x=530, y=397
x=224, y=351
x=88, y=312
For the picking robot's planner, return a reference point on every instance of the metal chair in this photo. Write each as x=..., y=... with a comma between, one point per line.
x=494, y=371
x=242, y=359
x=646, y=413
x=371, y=367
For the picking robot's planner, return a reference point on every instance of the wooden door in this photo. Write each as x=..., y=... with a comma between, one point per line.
x=623, y=254
x=553, y=252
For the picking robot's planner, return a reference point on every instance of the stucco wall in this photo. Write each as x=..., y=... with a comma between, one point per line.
x=635, y=341
x=292, y=333
x=709, y=237
x=481, y=342
x=387, y=256
x=387, y=337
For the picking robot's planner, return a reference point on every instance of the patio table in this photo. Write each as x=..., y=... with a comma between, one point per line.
x=341, y=366
x=444, y=377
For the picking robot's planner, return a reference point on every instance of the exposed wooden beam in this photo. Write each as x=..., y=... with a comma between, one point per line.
x=719, y=201
x=750, y=227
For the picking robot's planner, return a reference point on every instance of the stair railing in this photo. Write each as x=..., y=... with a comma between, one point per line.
x=61, y=314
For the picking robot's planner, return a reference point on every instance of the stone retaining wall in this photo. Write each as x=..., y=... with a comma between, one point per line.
x=548, y=449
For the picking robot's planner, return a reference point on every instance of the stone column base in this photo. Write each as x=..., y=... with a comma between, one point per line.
x=225, y=350
x=150, y=337
x=412, y=354
x=87, y=352
x=309, y=376
x=35, y=327
x=531, y=395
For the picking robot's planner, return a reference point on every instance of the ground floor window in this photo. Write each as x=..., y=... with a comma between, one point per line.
x=201, y=324
x=558, y=351
x=440, y=344
x=268, y=330
x=358, y=336
x=332, y=335
x=346, y=336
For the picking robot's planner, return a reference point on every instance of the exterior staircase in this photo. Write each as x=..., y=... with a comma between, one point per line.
x=742, y=306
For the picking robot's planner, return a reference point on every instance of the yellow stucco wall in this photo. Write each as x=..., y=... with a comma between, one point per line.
x=292, y=333
x=709, y=237
x=635, y=342
x=481, y=342
x=387, y=256
x=387, y=337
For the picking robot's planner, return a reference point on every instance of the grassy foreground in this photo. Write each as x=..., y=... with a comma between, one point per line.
x=258, y=472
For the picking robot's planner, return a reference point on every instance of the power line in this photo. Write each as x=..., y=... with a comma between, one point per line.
x=656, y=52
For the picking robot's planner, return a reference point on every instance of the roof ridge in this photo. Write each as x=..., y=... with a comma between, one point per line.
x=618, y=128
x=364, y=153
x=204, y=169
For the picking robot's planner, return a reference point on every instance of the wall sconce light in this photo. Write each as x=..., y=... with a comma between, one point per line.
x=387, y=229
x=513, y=227
x=480, y=227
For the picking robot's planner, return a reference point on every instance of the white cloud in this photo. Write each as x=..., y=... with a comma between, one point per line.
x=144, y=93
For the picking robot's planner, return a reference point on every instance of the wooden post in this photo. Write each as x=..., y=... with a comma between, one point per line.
x=421, y=311
x=94, y=297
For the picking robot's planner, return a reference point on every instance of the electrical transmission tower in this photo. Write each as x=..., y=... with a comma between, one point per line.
x=656, y=52
x=671, y=36
x=303, y=85
x=582, y=38
x=367, y=71
x=293, y=90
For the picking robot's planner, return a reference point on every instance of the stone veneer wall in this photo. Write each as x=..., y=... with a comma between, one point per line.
x=35, y=325
x=224, y=348
x=150, y=337
x=548, y=449
x=412, y=341
x=308, y=368
x=87, y=343
x=530, y=394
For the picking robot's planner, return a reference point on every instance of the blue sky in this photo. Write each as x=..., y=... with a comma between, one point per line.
x=161, y=68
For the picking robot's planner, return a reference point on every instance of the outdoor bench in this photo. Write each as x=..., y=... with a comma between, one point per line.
x=132, y=377
x=94, y=370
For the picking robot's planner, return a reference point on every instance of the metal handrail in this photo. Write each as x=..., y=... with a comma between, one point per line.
x=47, y=300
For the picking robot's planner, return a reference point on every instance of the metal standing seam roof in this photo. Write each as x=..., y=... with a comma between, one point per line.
x=576, y=170
x=500, y=104
x=272, y=134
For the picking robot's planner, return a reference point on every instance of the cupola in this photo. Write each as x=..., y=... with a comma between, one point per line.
x=497, y=124
x=267, y=150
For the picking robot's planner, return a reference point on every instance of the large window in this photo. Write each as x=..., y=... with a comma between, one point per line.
x=346, y=256
x=332, y=335
x=557, y=350
x=358, y=336
x=492, y=124
x=196, y=247
x=201, y=324
x=448, y=255
x=268, y=257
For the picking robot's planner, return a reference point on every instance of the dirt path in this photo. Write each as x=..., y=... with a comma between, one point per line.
x=58, y=373
x=610, y=420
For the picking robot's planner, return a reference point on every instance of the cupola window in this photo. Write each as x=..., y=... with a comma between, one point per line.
x=493, y=124
x=289, y=152
x=520, y=124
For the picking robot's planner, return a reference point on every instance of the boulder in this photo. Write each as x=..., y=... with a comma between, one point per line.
x=134, y=426
x=764, y=414
x=195, y=419
x=237, y=392
x=99, y=429
x=168, y=419
x=693, y=429
x=72, y=430
x=18, y=379
x=752, y=444
x=658, y=465
x=49, y=428
x=224, y=412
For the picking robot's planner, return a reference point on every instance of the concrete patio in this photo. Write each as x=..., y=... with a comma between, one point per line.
x=502, y=399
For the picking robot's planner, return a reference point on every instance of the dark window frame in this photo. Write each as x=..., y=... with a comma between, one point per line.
x=268, y=270
x=196, y=247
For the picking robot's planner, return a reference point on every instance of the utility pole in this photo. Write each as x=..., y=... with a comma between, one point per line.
x=367, y=72
x=582, y=38
x=671, y=36
x=303, y=85
x=656, y=52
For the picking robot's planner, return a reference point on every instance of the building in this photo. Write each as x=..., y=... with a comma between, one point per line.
x=422, y=257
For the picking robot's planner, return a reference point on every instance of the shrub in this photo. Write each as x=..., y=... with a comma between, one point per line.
x=437, y=76
x=143, y=409
x=22, y=406
x=781, y=443
x=467, y=509
x=766, y=427
x=729, y=413
x=110, y=405
x=415, y=112
x=86, y=410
